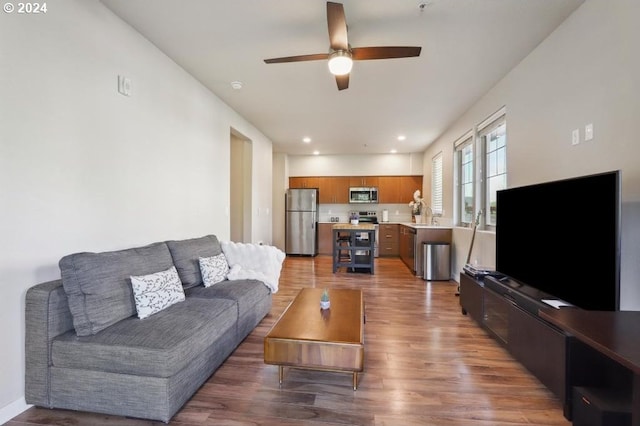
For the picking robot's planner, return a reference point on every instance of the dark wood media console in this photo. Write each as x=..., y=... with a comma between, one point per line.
x=570, y=350
x=604, y=356
x=509, y=314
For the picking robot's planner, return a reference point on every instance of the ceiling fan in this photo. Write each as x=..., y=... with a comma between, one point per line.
x=341, y=55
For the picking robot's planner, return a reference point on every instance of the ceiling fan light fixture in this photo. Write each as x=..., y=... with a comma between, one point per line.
x=340, y=62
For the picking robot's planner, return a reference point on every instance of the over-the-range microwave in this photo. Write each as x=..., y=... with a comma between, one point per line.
x=363, y=195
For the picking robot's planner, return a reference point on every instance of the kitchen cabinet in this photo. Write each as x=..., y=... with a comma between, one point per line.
x=333, y=190
x=407, y=244
x=303, y=182
x=325, y=238
x=363, y=181
x=398, y=189
x=388, y=240
x=389, y=189
x=408, y=185
x=410, y=244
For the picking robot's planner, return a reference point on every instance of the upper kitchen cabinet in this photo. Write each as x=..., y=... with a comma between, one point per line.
x=363, y=181
x=389, y=189
x=408, y=185
x=333, y=190
x=303, y=182
x=398, y=189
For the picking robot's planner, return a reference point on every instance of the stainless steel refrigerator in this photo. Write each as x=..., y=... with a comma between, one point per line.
x=301, y=221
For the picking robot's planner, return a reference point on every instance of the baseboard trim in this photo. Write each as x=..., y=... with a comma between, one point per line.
x=13, y=409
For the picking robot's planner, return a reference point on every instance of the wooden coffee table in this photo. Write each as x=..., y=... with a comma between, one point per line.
x=307, y=337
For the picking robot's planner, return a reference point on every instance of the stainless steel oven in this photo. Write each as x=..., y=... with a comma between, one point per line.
x=370, y=217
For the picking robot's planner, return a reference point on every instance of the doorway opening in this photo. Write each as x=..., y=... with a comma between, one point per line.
x=240, y=181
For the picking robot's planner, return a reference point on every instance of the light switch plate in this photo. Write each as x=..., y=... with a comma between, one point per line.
x=588, y=132
x=575, y=137
x=124, y=85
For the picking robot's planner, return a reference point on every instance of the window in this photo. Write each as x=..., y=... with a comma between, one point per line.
x=465, y=180
x=436, y=184
x=480, y=171
x=493, y=137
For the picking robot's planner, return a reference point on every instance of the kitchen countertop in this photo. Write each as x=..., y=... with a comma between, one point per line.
x=416, y=225
x=358, y=227
x=423, y=225
x=409, y=224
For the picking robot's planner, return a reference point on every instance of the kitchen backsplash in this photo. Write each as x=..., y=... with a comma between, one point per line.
x=397, y=212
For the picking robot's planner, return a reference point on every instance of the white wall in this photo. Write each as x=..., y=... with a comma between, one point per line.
x=280, y=185
x=85, y=168
x=587, y=71
x=355, y=165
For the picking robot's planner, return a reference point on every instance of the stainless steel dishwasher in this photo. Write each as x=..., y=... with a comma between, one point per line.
x=409, y=252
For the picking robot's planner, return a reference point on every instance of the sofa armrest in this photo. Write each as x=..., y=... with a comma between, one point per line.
x=47, y=316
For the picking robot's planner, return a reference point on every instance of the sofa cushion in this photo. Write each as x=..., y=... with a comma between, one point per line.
x=253, y=299
x=214, y=269
x=155, y=292
x=98, y=284
x=159, y=346
x=185, y=254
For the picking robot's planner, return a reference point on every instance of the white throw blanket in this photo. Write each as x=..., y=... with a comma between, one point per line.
x=254, y=261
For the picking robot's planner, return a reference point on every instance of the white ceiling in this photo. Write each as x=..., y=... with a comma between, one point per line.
x=467, y=47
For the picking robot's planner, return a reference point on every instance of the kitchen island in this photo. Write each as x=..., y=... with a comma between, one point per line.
x=412, y=237
x=353, y=247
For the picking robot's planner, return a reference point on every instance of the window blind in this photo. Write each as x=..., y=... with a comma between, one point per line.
x=436, y=184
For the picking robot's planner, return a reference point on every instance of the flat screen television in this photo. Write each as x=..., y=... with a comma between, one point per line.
x=563, y=238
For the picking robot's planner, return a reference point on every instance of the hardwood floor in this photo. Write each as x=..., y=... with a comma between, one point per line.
x=425, y=364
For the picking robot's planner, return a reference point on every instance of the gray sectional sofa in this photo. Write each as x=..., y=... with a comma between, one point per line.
x=87, y=350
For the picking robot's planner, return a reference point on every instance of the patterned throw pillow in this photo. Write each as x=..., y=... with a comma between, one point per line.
x=155, y=292
x=214, y=269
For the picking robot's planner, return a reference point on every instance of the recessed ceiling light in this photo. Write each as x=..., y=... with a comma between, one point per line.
x=402, y=137
x=306, y=139
x=316, y=152
x=393, y=151
x=236, y=85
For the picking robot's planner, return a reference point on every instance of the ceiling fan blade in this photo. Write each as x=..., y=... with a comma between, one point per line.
x=342, y=81
x=337, y=24
x=299, y=58
x=384, y=52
